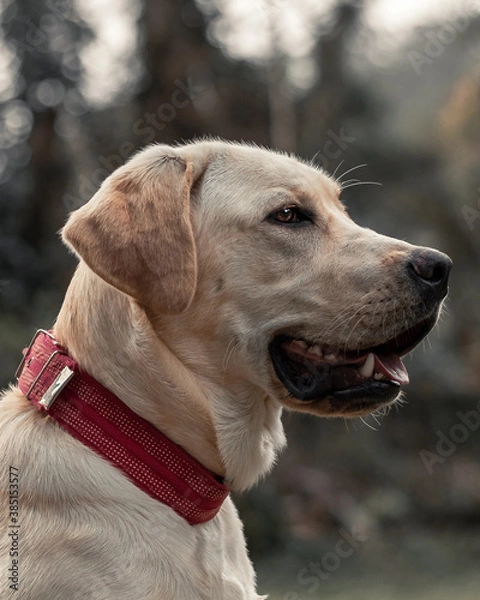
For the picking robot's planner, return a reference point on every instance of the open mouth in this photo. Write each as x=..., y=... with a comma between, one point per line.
x=312, y=372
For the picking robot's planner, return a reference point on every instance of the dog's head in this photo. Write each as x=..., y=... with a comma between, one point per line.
x=249, y=257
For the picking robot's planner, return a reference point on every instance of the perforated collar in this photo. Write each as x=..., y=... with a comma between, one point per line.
x=53, y=382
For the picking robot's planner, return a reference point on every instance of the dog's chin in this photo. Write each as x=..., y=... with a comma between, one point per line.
x=326, y=381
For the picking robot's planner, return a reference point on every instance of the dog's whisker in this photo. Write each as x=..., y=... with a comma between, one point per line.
x=445, y=309
x=353, y=423
x=345, y=325
x=367, y=424
x=405, y=320
x=361, y=183
x=383, y=411
x=338, y=322
x=339, y=179
x=348, y=182
x=385, y=312
x=339, y=319
x=352, y=330
x=400, y=402
x=361, y=307
x=336, y=168
x=395, y=319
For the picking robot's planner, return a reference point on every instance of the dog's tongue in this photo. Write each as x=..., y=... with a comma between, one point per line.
x=391, y=366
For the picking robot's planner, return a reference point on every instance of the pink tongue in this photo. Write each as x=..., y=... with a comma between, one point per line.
x=392, y=366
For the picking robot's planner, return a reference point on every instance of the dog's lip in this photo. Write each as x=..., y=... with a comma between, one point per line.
x=370, y=393
x=407, y=340
x=313, y=372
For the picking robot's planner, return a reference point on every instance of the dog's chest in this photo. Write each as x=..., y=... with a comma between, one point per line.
x=213, y=560
x=179, y=561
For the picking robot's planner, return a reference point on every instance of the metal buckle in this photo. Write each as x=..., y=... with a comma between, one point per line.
x=56, y=387
x=59, y=382
x=32, y=341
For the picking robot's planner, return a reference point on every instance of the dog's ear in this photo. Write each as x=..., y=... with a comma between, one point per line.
x=136, y=232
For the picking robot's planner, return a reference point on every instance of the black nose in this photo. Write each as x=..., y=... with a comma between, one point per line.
x=430, y=270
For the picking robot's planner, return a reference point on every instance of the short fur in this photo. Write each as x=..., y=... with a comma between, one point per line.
x=182, y=283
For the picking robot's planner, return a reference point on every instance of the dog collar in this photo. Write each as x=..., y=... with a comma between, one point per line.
x=54, y=383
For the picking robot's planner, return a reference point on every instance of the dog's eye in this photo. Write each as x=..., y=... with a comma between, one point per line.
x=289, y=215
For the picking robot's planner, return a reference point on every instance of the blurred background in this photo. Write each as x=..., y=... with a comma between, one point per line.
x=378, y=509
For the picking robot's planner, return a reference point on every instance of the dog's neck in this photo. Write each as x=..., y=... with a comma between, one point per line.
x=233, y=431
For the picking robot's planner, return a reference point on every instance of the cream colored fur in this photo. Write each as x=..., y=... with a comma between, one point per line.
x=181, y=285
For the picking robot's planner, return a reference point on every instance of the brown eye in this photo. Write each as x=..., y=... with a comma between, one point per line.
x=289, y=215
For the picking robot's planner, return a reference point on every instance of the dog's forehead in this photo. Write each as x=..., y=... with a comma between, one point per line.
x=245, y=178
x=256, y=166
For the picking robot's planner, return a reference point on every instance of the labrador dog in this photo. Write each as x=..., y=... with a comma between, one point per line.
x=218, y=285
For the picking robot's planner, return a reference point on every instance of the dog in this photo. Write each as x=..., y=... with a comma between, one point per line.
x=218, y=284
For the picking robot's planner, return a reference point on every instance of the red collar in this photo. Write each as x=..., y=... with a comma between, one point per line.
x=54, y=383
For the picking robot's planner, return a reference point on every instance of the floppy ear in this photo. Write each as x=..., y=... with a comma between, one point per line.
x=136, y=233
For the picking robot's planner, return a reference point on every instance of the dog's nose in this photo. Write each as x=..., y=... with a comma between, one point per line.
x=430, y=270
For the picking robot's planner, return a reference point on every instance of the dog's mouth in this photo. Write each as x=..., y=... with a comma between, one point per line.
x=311, y=372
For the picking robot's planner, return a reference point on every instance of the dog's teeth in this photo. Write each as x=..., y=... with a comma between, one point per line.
x=331, y=358
x=367, y=369
x=378, y=376
x=316, y=350
x=301, y=343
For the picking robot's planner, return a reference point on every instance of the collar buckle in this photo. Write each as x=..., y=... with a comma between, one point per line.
x=56, y=387
x=19, y=370
x=60, y=380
